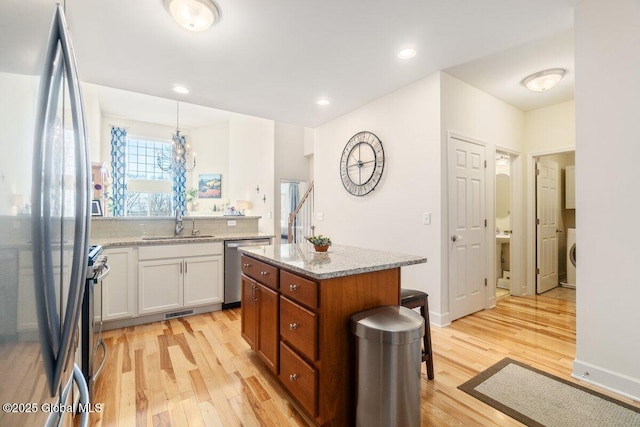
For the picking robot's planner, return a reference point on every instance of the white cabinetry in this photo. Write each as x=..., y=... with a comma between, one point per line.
x=179, y=275
x=118, y=288
x=570, y=188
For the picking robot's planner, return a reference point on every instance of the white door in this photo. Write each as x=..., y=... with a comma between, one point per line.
x=467, y=228
x=547, y=225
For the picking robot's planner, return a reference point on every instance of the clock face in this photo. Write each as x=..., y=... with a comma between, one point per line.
x=362, y=163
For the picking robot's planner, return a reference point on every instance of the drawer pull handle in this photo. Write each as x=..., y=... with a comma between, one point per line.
x=293, y=287
x=293, y=326
x=264, y=273
x=293, y=377
x=247, y=265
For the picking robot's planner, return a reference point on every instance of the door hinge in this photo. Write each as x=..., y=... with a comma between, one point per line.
x=537, y=271
x=485, y=282
x=485, y=164
x=537, y=171
x=537, y=221
x=485, y=223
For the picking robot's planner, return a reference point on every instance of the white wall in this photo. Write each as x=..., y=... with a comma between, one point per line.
x=211, y=145
x=290, y=161
x=471, y=113
x=608, y=146
x=389, y=218
x=550, y=129
x=251, y=164
x=93, y=115
x=17, y=125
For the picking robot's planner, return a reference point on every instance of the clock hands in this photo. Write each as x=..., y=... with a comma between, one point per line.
x=360, y=164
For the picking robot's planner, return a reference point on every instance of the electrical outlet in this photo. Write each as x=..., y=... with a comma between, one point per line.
x=319, y=216
x=426, y=218
x=231, y=223
x=269, y=214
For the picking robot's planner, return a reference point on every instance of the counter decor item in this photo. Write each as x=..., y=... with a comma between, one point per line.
x=320, y=243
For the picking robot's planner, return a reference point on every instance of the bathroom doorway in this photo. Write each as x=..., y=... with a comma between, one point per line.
x=504, y=228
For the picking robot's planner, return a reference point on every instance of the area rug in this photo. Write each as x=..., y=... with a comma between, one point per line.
x=536, y=398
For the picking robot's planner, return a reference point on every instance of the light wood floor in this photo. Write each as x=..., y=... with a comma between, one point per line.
x=197, y=371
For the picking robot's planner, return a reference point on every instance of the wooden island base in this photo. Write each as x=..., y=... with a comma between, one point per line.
x=300, y=326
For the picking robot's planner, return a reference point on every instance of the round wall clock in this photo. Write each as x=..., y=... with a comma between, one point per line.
x=362, y=163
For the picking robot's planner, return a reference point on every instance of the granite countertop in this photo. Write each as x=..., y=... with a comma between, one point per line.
x=110, y=242
x=338, y=261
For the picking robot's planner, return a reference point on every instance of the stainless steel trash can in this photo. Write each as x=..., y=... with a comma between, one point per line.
x=388, y=357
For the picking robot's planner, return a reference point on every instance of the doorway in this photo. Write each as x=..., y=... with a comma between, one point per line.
x=290, y=193
x=553, y=226
x=503, y=224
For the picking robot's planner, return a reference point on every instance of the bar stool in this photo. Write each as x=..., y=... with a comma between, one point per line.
x=412, y=298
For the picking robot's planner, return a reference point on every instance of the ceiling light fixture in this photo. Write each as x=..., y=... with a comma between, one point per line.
x=177, y=161
x=181, y=90
x=407, y=53
x=194, y=15
x=544, y=80
x=323, y=102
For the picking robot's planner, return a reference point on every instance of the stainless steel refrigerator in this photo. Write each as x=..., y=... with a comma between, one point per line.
x=44, y=229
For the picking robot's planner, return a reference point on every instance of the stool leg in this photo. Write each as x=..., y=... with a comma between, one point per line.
x=428, y=354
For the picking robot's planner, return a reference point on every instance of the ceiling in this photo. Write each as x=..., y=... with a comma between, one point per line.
x=274, y=59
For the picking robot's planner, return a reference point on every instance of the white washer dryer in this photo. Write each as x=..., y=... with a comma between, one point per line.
x=571, y=258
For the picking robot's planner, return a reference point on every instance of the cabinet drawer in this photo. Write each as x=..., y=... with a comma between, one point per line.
x=263, y=273
x=299, y=377
x=299, y=289
x=298, y=326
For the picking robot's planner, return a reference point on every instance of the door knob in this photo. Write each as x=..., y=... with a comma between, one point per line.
x=455, y=238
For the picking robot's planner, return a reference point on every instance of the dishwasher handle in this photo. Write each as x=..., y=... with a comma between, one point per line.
x=239, y=243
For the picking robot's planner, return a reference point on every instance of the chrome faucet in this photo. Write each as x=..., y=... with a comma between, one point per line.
x=179, y=225
x=194, y=231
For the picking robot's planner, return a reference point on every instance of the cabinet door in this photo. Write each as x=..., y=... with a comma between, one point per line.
x=203, y=280
x=249, y=316
x=268, y=331
x=118, y=288
x=160, y=285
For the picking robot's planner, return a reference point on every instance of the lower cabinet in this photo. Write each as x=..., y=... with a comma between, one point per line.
x=259, y=320
x=301, y=328
x=171, y=277
x=119, y=287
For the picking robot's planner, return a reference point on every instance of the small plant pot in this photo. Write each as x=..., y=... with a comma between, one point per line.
x=319, y=248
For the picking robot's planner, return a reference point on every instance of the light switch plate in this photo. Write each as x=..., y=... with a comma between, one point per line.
x=319, y=216
x=426, y=218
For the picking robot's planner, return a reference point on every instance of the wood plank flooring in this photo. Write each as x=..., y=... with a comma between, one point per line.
x=198, y=371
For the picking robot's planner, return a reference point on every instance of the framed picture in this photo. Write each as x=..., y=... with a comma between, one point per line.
x=96, y=208
x=209, y=186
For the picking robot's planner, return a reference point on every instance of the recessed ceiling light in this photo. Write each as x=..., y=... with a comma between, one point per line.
x=181, y=90
x=194, y=15
x=407, y=53
x=323, y=102
x=544, y=80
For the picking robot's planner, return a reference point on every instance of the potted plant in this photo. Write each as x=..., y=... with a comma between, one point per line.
x=190, y=196
x=320, y=243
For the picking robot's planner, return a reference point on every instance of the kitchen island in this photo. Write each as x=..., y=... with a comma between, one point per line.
x=296, y=311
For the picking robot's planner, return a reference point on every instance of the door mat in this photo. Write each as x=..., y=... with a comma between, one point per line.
x=536, y=398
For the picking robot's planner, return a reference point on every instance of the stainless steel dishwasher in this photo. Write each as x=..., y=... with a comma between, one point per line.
x=232, y=270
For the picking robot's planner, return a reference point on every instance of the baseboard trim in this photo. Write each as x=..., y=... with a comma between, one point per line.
x=612, y=381
x=440, y=320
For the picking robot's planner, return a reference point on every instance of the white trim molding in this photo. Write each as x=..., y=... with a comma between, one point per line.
x=618, y=383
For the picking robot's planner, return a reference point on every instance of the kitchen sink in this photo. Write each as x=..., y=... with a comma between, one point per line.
x=186, y=236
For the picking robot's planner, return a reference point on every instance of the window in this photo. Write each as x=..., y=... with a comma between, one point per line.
x=149, y=188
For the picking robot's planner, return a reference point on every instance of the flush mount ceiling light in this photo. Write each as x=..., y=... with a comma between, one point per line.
x=407, y=53
x=194, y=15
x=544, y=80
x=323, y=102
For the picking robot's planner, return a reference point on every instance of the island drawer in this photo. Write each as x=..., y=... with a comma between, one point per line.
x=299, y=327
x=300, y=378
x=258, y=270
x=299, y=289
